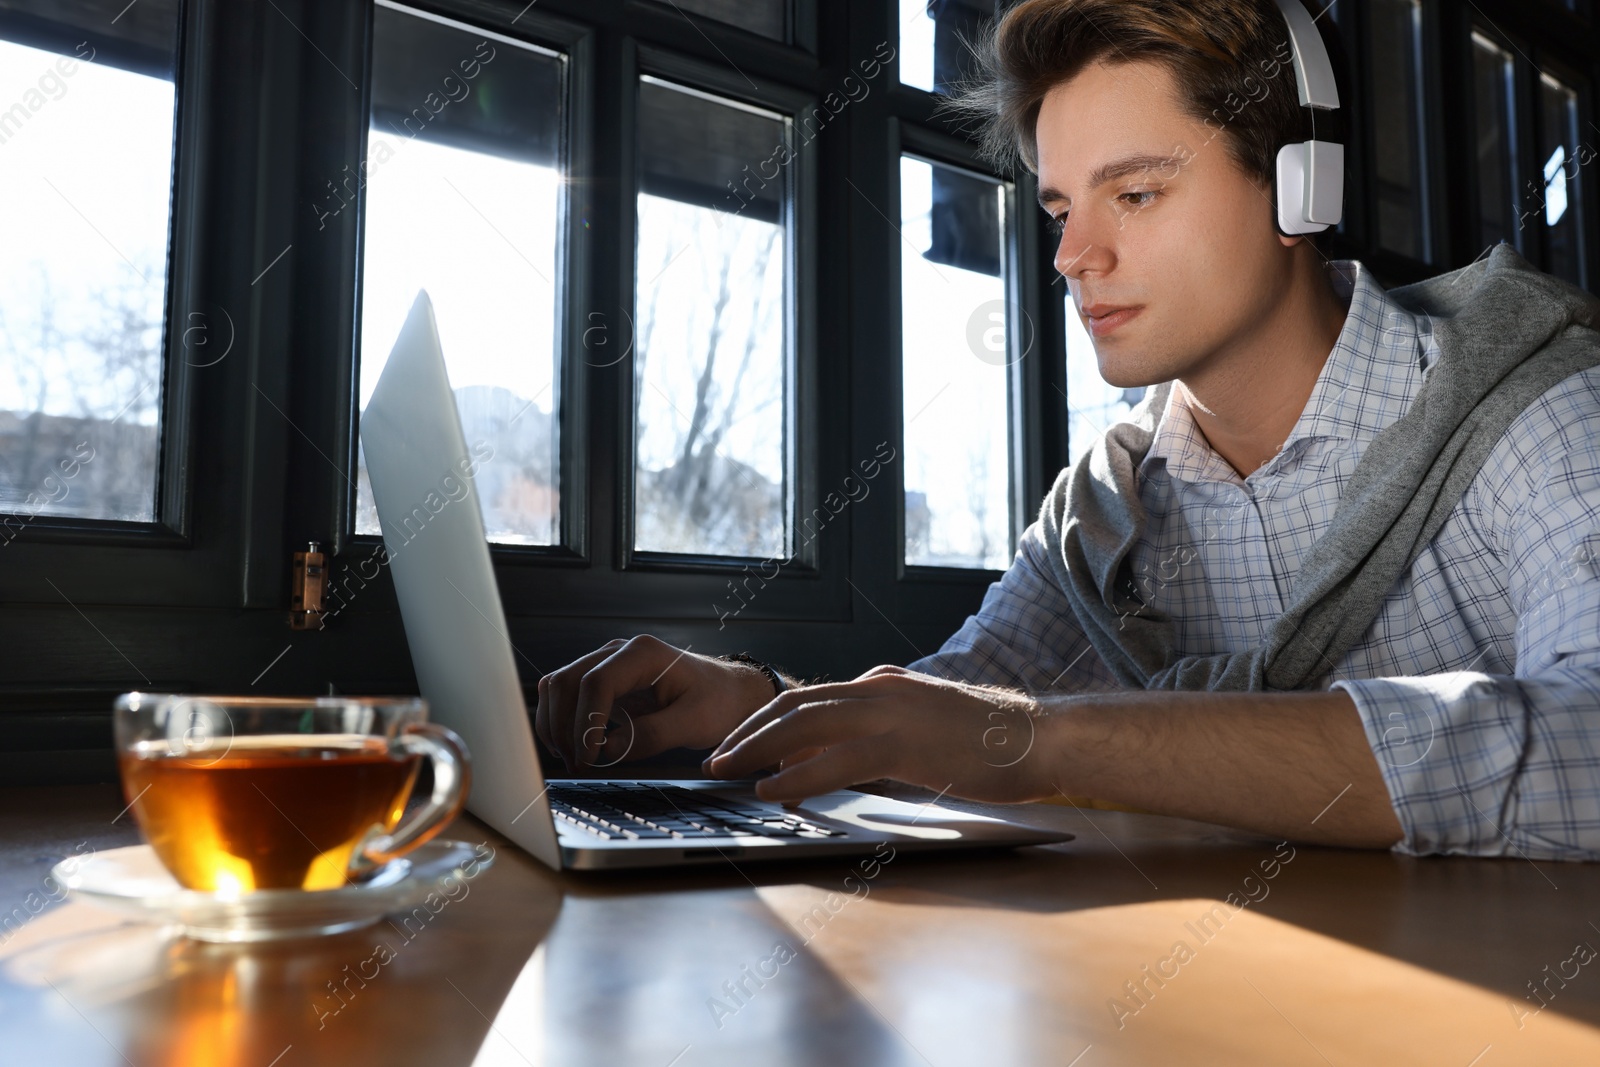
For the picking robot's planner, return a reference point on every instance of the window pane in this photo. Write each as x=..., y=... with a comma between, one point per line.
x=1396, y=49
x=86, y=148
x=933, y=35
x=1494, y=104
x=955, y=356
x=463, y=199
x=1560, y=208
x=1092, y=404
x=916, y=44
x=766, y=17
x=711, y=360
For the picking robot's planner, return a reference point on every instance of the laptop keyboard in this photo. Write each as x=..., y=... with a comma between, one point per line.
x=640, y=811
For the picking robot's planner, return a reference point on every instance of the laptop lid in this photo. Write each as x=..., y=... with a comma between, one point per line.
x=422, y=472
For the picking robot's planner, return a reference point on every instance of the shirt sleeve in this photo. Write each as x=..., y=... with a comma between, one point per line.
x=1024, y=636
x=1495, y=765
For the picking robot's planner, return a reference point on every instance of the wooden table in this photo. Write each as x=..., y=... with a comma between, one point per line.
x=1024, y=957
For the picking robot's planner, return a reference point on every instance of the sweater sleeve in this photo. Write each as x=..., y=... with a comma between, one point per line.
x=1509, y=765
x=1024, y=636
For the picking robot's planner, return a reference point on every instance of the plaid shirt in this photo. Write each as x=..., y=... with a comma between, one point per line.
x=1479, y=681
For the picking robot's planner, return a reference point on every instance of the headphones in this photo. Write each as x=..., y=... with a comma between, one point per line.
x=1310, y=186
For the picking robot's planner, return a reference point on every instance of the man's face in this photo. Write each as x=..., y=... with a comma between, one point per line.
x=1168, y=246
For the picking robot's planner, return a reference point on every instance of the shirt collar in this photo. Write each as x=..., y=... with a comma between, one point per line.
x=1367, y=382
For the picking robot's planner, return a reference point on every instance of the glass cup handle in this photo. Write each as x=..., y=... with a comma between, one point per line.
x=452, y=778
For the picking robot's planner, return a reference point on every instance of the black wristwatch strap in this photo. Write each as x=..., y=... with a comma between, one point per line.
x=778, y=684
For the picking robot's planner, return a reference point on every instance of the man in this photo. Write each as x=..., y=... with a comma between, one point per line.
x=1435, y=610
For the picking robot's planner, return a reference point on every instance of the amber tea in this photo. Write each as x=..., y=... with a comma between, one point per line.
x=271, y=812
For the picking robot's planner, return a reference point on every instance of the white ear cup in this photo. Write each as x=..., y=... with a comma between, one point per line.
x=1311, y=173
x=1310, y=187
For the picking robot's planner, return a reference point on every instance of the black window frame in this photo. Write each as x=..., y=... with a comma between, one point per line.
x=1021, y=297
x=171, y=524
x=801, y=413
x=575, y=44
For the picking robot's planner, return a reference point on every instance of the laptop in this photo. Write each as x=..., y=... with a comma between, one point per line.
x=422, y=482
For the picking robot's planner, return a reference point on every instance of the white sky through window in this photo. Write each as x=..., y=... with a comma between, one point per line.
x=955, y=402
x=479, y=234
x=86, y=177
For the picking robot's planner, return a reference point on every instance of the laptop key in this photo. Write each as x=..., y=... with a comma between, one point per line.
x=639, y=810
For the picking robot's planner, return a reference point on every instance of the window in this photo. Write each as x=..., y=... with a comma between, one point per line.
x=1494, y=99
x=464, y=199
x=933, y=40
x=1560, y=203
x=86, y=162
x=956, y=352
x=712, y=421
x=1399, y=156
x=916, y=44
x=1532, y=173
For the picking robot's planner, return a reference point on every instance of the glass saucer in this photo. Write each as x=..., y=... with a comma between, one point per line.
x=133, y=881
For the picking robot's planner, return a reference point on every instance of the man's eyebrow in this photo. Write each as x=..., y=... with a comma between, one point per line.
x=1119, y=168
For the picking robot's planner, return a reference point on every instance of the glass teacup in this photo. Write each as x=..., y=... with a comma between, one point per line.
x=238, y=794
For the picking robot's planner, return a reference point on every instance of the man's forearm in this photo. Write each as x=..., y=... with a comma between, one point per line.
x=1294, y=765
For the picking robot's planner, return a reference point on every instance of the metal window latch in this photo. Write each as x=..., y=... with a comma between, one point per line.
x=309, y=584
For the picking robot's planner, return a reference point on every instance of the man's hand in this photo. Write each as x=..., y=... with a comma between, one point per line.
x=968, y=741
x=1294, y=765
x=661, y=697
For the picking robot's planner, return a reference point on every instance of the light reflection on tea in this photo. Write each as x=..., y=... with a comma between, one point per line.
x=273, y=811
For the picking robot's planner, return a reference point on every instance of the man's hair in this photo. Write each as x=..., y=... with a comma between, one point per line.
x=1231, y=60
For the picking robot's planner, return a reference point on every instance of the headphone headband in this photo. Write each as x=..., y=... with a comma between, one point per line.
x=1313, y=69
x=1310, y=185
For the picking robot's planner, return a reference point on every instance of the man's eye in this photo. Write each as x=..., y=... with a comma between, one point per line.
x=1058, y=224
x=1138, y=199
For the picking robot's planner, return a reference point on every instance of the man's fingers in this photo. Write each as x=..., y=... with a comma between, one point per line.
x=558, y=698
x=557, y=691
x=801, y=755
x=767, y=713
x=838, y=767
x=812, y=725
x=635, y=664
x=788, y=700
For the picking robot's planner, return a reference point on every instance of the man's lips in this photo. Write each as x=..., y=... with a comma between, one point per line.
x=1104, y=318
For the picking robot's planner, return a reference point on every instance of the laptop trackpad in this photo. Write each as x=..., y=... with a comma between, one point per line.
x=925, y=821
